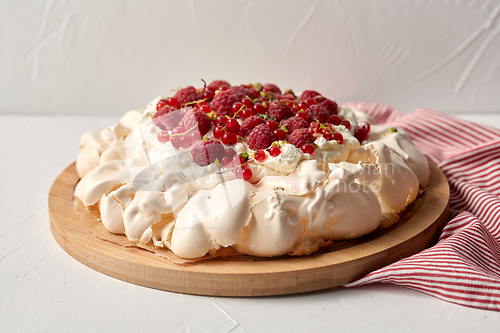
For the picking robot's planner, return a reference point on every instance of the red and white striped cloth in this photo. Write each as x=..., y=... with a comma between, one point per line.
x=464, y=266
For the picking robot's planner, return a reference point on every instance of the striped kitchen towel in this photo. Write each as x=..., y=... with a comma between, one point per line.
x=464, y=266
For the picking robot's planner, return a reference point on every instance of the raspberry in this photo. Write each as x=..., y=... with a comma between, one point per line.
x=293, y=123
x=193, y=116
x=300, y=137
x=287, y=98
x=271, y=88
x=249, y=124
x=223, y=102
x=241, y=92
x=321, y=114
x=187, y=95
x=160, y=114
x=329, y=105
x=217, y=84
x=309, y=94
x=260, y=137
x=206, y=152
x=279, y=111
x=167, y=118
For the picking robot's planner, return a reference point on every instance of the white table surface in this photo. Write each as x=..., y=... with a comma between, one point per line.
x=43, y=289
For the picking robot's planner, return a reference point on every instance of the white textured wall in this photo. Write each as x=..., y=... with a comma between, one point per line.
x=106, y=57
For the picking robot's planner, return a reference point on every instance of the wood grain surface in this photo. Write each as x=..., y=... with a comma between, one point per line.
x=335, y=265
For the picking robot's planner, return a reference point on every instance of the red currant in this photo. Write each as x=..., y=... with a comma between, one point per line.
x=172, y=101
x=303, y=115
x=230, y=152
x=338, y=137
x=178, y=130
x=310, y=101
x=334, y=119
x=185, y=141
x=301, y=106
x=279, y=134
x=205, y=108
x=237, y=107
x=327, y=134
x=226, y=160
x=163, y=137
x=247, y=102
x=258, y=108
x=229, y=138
x=274, y=151
x=307, y=149
x=176, y=141
x=208, y=94
x=246, y=173
x=272, y=125
x=161, y=103
x=219, y=132
x=220, y=120
x=246, y=113
x=232, y=125
x=360, y=134
x=194, y=136
x=260, y=155
x=346, y=123
x=365, y=126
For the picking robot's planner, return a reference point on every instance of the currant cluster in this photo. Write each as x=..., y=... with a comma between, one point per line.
x=259, y=114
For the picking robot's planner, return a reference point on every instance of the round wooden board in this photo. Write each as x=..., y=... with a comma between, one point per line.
x=338, y=264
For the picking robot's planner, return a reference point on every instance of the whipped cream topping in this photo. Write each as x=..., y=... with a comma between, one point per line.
x=294, y=203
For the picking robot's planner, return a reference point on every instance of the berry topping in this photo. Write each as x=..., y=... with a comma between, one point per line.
x=279, y=111
x=300, y=137
x=260, y=155
x=309, y=94
x=187, y=95
x=294, y=123
x=307, y=149
x=274, y=151
x=222, y=103
x=206, y=152
x=197, y=119
x=167, y=117
x=249, y=124
x=260, y=137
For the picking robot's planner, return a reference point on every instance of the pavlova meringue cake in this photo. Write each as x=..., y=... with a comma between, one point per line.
x=247, y=169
